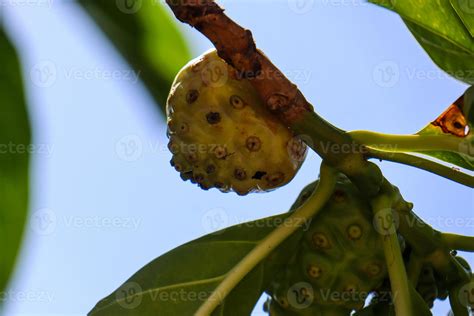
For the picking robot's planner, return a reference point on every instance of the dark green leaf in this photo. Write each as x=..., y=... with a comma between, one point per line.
x=468, y=106
x=441, y=32
x=383, y=3
x=465, y=10
x=453, y=158
x=456, y=62
x=14, y=159
x=178, y=282
x=147, y=36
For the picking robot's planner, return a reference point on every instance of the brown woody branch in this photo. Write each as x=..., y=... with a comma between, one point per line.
x=236, y=46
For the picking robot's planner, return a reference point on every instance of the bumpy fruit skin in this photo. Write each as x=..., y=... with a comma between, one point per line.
x=339, y=262
x=222, y=136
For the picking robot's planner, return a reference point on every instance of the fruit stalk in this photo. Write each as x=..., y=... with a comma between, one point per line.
x=429, y=244
x=424, y=164
x=407, y=143
x=457, y=308
x=382, y=207
x=458, y=242
x=301, y=216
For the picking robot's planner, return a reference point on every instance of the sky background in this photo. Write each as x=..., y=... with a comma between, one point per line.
x=102, y=208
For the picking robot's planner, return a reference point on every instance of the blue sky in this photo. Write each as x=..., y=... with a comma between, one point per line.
x=104, y=199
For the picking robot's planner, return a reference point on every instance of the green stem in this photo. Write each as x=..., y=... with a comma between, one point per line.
x=404, y=143
x=427, y=243
x=415, y=264
x=382, y=207
x=339, y=150
x=458, y=242
x=301, y=216
x=420, y=308
x=424, y=164
x=457, y=307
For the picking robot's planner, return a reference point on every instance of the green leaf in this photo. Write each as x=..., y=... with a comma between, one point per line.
x=443, y=33
x=147, y=36
x=457, y=63
x=465, y=10
x=178, y=282
x=14, y=159
x=457, y=124
x=383, y=3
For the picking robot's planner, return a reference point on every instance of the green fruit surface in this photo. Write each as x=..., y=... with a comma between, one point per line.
x=222, y=136
x=340, y=260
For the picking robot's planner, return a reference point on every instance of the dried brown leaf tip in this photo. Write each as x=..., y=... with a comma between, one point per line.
x=453, y=121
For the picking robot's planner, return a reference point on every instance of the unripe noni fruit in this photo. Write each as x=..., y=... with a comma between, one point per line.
x=340, y=259
x=222, y=136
